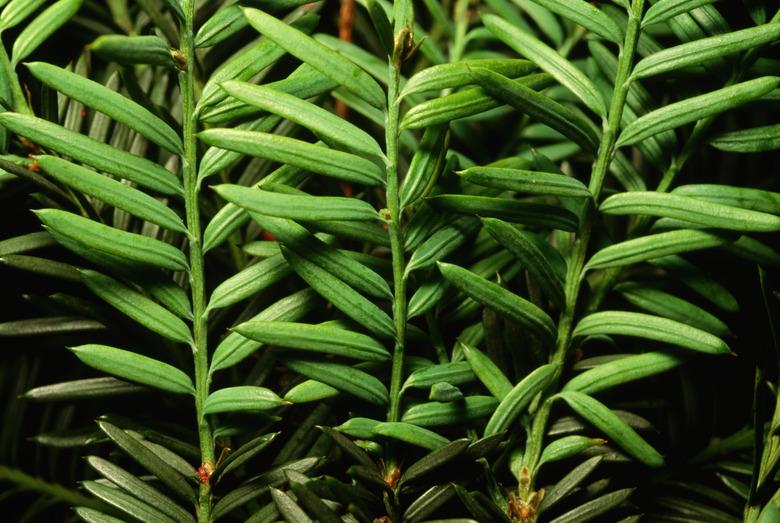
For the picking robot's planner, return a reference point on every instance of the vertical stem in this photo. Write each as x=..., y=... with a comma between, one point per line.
x=396, y=241
x=577, y=262
x=197, y=280
x=346, y=21
x=603, y=160
x=346, y=18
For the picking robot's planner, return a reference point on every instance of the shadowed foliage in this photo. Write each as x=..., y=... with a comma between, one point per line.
x=371, y=261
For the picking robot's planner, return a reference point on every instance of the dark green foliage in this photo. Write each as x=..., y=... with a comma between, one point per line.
x=485, y=261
